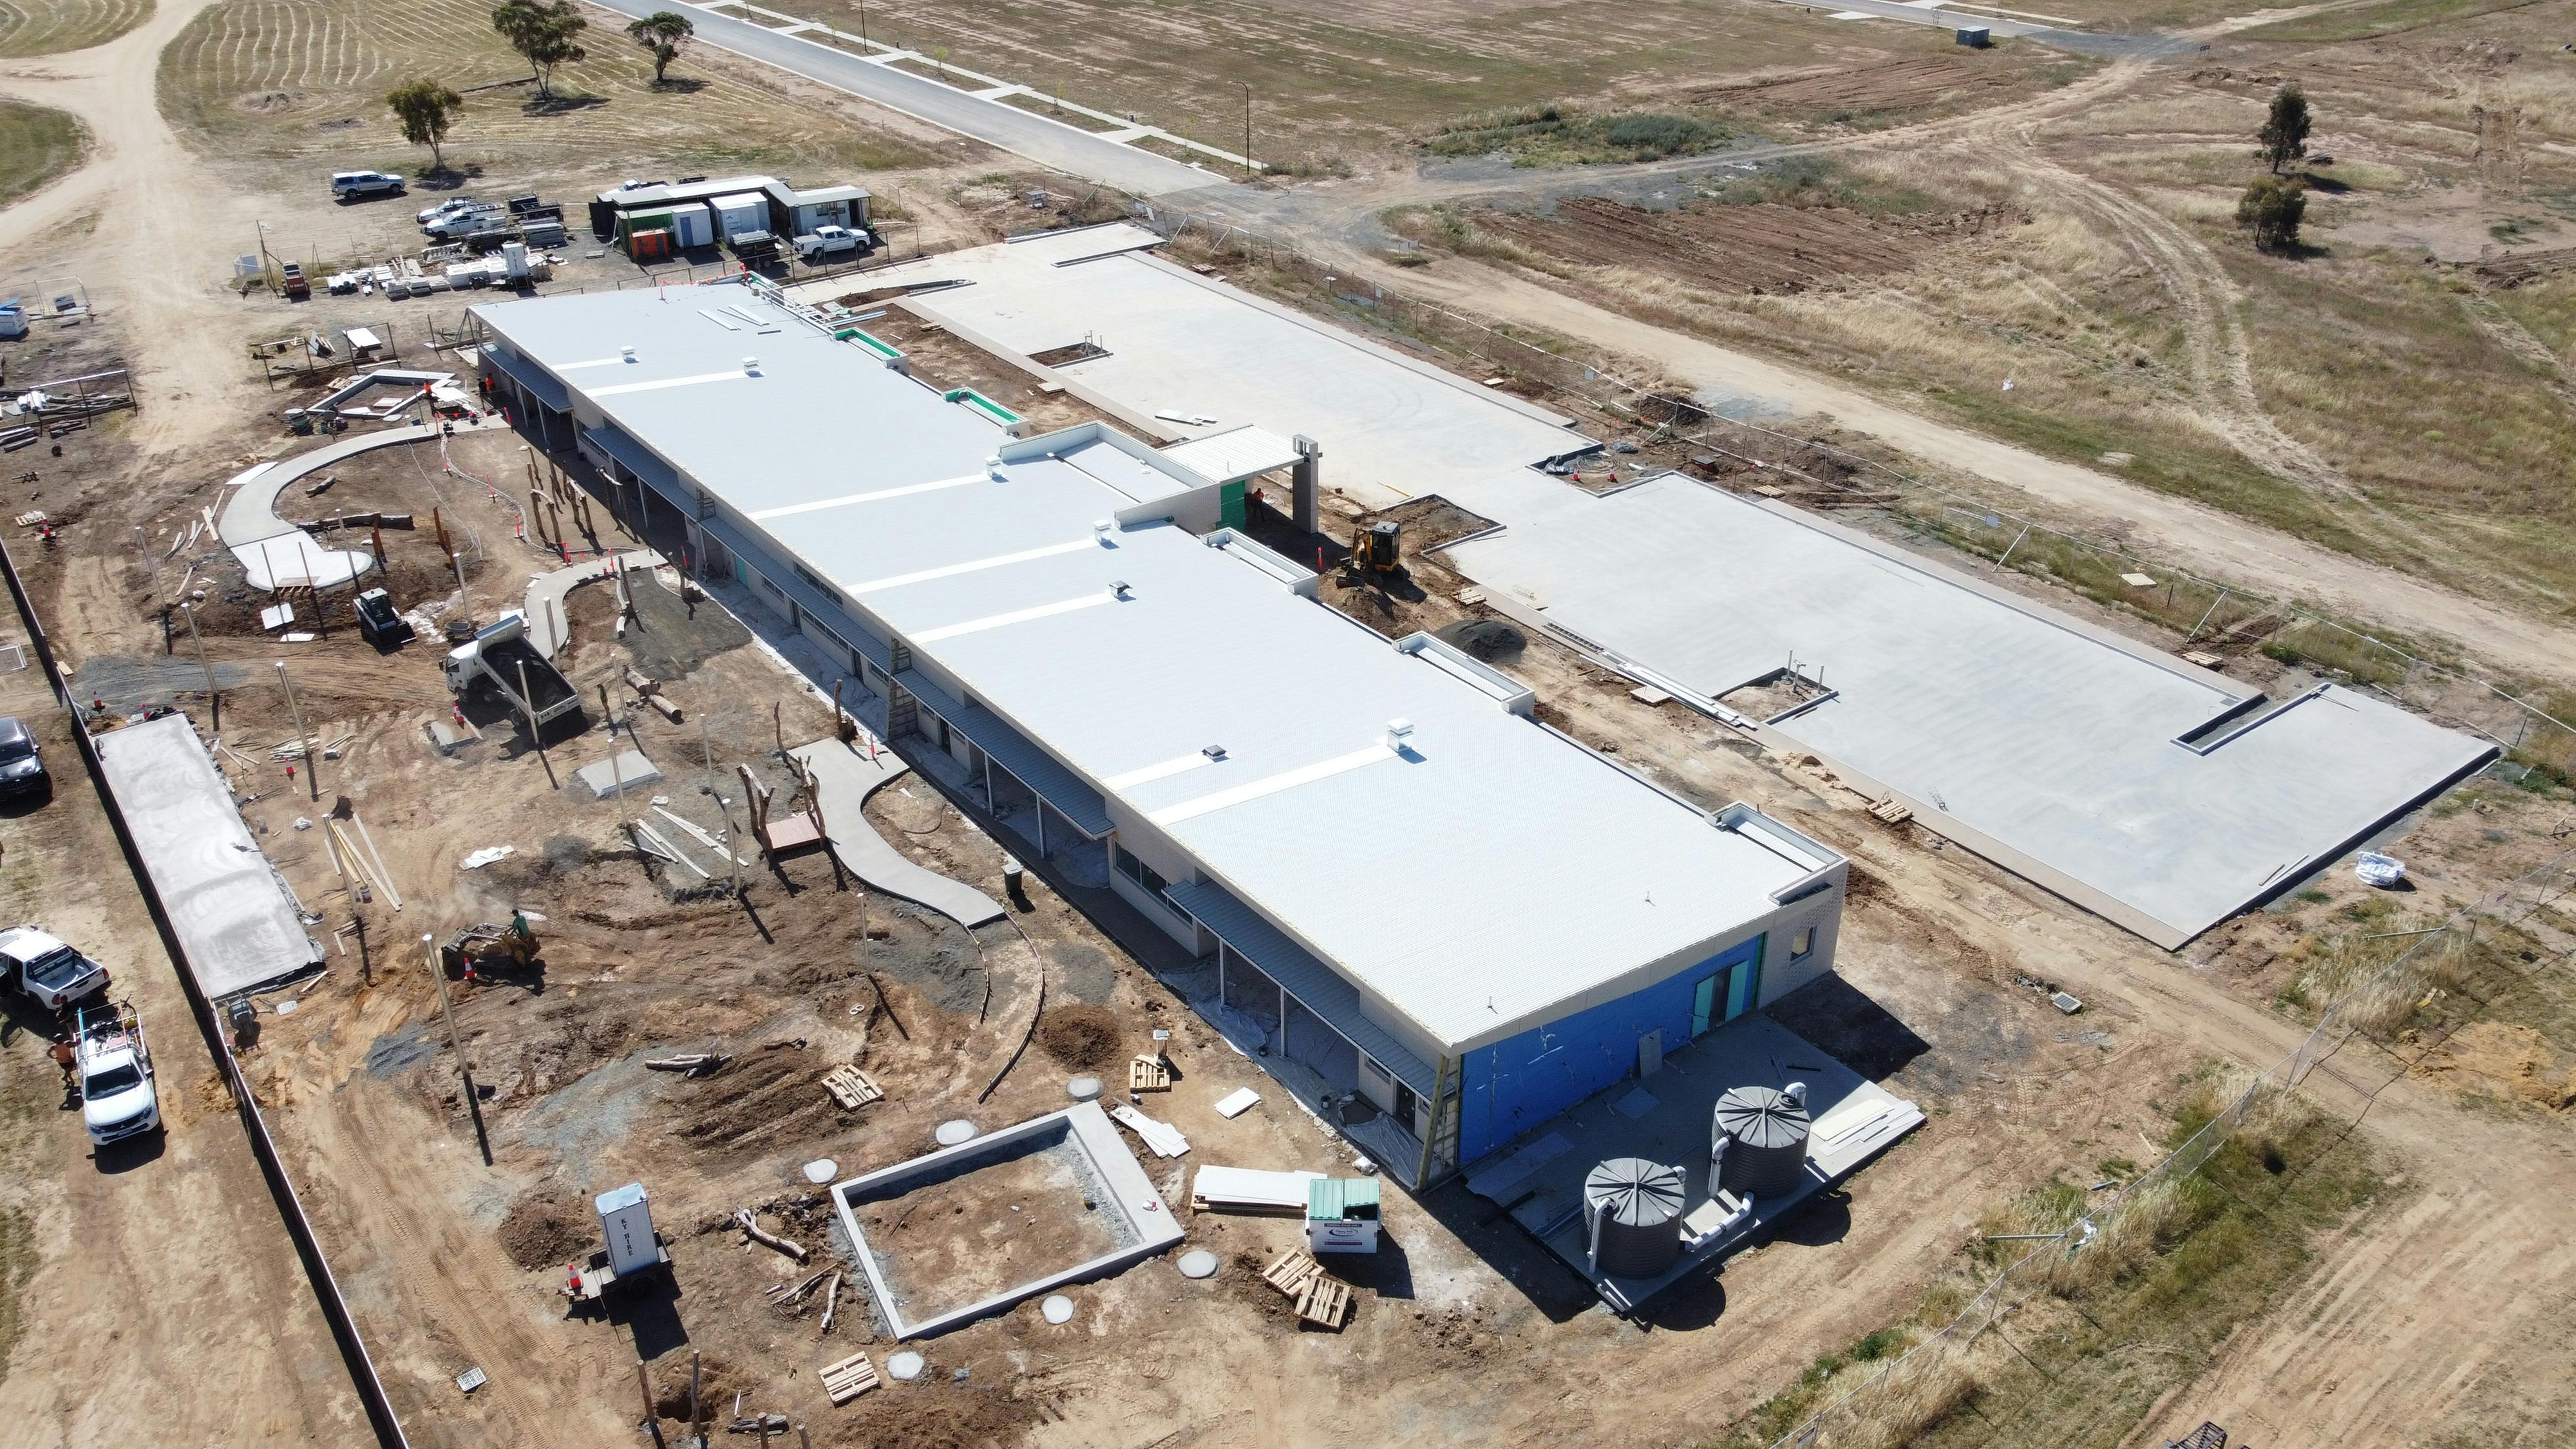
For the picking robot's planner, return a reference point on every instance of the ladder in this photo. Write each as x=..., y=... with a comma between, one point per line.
x=1442, y=1145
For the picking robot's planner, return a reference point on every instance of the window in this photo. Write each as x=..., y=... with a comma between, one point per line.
x=810, y=577
x=1802, y=945
x=1146, y=876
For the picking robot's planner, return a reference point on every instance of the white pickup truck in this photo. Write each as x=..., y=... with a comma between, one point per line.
x=46, y=971
x=829, y=241
x=117, y=1096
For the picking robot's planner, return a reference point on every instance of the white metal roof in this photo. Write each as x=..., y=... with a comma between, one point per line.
x=1235, y=454
x=1471, y=879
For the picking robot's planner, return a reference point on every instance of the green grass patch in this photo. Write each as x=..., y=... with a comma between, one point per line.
x=1554, y=133
x=37, y=144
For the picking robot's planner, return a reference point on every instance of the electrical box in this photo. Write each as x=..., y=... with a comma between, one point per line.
x=1341, y=1215
x=627, y=1222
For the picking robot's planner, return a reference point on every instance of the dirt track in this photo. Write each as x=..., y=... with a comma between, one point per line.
x=1760, y=248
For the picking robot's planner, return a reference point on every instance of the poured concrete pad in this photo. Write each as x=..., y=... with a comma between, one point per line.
x=844, y=776
x=633, y=770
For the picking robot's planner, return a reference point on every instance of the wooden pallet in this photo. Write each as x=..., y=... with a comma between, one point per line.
x=2202, y=657
x=851, y=1087
x=1290, y=1273
x=1324, y=1300
x=1891, y=811
x=849, y=1378
x=1149, y=1073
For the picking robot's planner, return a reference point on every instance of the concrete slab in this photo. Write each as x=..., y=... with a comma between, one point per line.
x=844, y=777
x=237, y=924
x=1112, y=1196
x=2052, y=746
x=547, y=591
x=1539, y=1176
x=632, y=773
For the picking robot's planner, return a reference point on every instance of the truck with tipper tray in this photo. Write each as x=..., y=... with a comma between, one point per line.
x=118, y=1098
x=500, y=658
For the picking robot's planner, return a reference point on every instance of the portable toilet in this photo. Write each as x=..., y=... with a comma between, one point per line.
x=742, y=212
x=1976, y=37
x=627, y=1221
x=1341, y=1215
x=692, y=226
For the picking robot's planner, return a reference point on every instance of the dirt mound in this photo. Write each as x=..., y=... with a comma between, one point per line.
x=718, y=1382
x=1084, y=1038
x=1486, y=639
x=548, y=1230
x=937, y=1414
x=2494, y=1059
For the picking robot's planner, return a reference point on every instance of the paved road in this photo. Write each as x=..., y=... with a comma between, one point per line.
x=1049, y=143
x=2083, y=42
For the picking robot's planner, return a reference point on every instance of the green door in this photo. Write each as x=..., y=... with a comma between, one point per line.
x=1744, y=984
x=1704, y=1004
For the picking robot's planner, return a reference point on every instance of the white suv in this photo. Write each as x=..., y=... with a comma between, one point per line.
x=346, y=184
x=449, y=207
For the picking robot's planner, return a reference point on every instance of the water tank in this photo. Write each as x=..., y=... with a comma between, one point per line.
x=1634, y=1208
x=1760, y=1135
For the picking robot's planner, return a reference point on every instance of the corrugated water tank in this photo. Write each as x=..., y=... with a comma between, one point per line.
x=1634, y=1210
x=1759, y=1137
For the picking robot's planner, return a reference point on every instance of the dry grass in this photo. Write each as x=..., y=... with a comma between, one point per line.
x=52, y=27
x=37, y=144
x=306, y=79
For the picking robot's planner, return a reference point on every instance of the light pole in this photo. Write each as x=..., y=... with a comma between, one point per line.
x=1247, y=128
x=312, y=746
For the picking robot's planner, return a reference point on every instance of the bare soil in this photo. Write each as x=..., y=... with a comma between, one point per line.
x=1002, y=1222
x=1759, y=248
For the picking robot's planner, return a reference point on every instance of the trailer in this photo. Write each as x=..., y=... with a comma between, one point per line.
x=499, y=658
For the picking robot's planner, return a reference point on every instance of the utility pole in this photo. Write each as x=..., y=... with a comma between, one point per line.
x=464, y=1068
x=1247, y=128
x=312, y=746
x=528, y=712
x=216, y=699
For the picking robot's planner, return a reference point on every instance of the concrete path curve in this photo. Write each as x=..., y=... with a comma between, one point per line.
x=272, y=549
x=845, y=777
x=546, y=593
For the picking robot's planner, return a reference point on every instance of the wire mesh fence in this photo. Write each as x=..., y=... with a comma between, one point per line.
x=2208, y=614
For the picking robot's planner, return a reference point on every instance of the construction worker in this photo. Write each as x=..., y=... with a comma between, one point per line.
x=67, y=1059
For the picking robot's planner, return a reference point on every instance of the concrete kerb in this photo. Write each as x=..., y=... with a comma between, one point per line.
x=1141, y=1211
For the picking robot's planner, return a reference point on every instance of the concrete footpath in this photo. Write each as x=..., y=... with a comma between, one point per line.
x=845, y=777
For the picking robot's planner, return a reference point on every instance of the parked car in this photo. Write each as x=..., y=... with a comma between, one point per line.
x=117, y=1096
x=466, y=221
x=830, y=241
x=45, y=970
x=348, y=185
x=22, y=764
x=452, y=204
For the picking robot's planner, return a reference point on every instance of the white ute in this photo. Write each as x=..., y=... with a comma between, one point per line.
x=828, y=241
x=117, y=1096
x=45, y=970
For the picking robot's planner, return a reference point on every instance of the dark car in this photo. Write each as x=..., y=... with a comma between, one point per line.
x=22, y=768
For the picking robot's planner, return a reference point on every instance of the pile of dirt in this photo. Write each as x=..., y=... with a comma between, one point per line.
x=1486, y=639
x=2487, y=1058
x=1084, y=1038
x=937, y=1413
x=549, y=1230
x=1764, y=248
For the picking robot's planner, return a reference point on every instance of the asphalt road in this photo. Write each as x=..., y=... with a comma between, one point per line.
x=1049, y=143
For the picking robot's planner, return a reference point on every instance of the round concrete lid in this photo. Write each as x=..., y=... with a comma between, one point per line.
x=906, y=1365
x=821, y=1170
x=1057, y=1308
x=954, y=1131
x=1083, y=1089
x=1198, y=1263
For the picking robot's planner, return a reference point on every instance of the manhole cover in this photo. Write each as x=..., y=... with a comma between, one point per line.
x=1057, y=1308
x=821, y=1170
x=954, y=1131
x=906, y=1365
x=1198, y=1263
x=1083, y=1089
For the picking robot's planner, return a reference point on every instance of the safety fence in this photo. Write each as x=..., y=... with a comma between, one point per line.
x=2208, y=614
x=272, y=1167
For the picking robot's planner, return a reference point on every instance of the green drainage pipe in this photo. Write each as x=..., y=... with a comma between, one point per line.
x=876, y=345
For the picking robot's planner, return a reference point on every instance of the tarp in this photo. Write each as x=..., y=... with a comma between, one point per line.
x=236, y=922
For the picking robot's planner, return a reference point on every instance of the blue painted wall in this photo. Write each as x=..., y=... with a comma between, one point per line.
x=1521, y=1081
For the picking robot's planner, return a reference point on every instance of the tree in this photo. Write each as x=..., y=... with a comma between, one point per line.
x=2284, y=137
x=2271, y=209
x=426, y=109
x=663, y=33
x=543, y=34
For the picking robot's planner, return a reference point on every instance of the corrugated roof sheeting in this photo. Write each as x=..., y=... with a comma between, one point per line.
x=1238, y=453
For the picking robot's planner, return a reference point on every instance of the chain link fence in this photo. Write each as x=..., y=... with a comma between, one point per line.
x=2209, y=614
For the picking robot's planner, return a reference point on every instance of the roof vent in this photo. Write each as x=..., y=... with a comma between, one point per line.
x=1100, y=529
x=751, y=365
x=1214, y=752
x=1118, y=588
x=626, y=352
x=1399, y=734
x=993, y=467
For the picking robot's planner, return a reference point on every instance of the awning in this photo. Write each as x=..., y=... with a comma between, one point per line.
x=1235, y=454
x=1320, y=988
x=1031, y=766
x=540, y=383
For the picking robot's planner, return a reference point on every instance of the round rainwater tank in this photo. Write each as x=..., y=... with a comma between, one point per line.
x=1635, y=1211
x=1765, y=1137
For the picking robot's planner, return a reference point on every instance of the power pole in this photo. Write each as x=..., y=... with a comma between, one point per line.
x=216, y=699
x=464, y=1068
x=312, y=746
x=1247, y=128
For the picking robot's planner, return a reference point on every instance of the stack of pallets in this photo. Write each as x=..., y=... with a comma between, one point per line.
x=1321, y=1298
x=1149, y=1073
x=851, y=1087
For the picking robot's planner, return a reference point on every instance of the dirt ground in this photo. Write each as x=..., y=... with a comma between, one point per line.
x=2445, y=1319
x=1754, y=249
